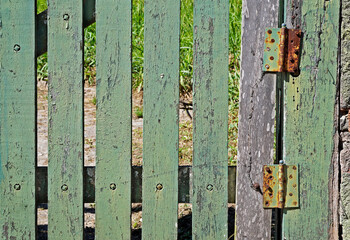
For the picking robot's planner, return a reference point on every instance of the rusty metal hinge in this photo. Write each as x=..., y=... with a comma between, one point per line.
x=280, y=186
x=282, y=50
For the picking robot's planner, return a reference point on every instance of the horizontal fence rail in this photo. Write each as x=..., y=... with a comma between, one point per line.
x=184, y=183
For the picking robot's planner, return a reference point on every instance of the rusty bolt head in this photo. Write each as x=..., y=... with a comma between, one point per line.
x=272, y=40
x=256, y=186
x=64, y=187
x=112, y=186
x=16, y=48
x=268, y=49
x=290, y=194
x=267, y=66
x=294, y=168
x=210, y=187
x=17, y=187
x=268, y=170
x=272, y=58
x=159, y=187
x=269, y=31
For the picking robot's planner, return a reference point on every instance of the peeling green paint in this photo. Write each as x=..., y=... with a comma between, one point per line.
x=66, y=113
x=17, y=120
x=113, y=120
x=161, y=120
x=310, y=101
x=210, y=104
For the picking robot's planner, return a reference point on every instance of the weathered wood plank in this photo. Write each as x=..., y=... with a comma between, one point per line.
x=309, y=129
x=17, y=119
x=113, y=119
x=66, y=152
x=161, y=130
x=256, y=120
x=210, y=98
x=184, y=183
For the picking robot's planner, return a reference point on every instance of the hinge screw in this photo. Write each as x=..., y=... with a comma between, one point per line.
x=113, y=186
x=284, y=25
x=267, y=66
x=64, y=187
x=159, y=187
x=17, y=187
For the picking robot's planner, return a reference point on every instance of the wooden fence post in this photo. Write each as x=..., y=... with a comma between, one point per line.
x=310, y=121
x=66, y=116
x=256, y=121
x=113, y=119
x=17, y=120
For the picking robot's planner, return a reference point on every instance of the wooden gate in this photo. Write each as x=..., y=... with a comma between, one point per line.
x=66, y=184
x=294, y=119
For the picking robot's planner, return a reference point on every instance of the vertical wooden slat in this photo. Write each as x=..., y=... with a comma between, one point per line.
x=17, y=119
x=65, y=170
x=256, y=120
x=160, y=136
x=113, y=123
x=310, y=105
x=210, y=166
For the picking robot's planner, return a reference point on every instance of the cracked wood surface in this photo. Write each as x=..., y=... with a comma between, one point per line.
x=256, y=120
x=17, y=119
x=309, y=130
x=65, y=131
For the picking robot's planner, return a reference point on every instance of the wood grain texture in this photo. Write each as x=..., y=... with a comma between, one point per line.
x=309, y=128
x=113, y=119
x=17, y=119
x=66, y=135
x=210, y=98
x=256, y=120
x=160, y=135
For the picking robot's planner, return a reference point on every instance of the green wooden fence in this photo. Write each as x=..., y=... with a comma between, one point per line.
x=304, y=109
x=113, y=184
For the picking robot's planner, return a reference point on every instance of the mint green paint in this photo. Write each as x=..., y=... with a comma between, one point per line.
x=66, y=135
x=17, y=120
x=211, y=24
x=113, y=119
x=310, y=102
x=161, y=129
